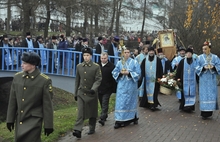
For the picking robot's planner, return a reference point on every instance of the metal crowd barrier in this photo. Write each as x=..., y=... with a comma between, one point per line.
x=55, y=62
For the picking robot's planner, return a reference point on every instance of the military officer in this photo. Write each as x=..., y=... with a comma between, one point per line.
x=30, y=101
x=88, y=79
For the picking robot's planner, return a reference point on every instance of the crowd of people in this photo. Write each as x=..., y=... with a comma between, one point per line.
x=133, y=77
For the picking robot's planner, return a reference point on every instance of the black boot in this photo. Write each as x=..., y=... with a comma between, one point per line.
x=91, y=132
x=77, y=133
x=102, y=122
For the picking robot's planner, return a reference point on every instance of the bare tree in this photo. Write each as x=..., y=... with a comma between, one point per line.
x=144, y=17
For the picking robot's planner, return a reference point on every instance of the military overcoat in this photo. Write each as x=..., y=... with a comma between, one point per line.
x=88, y=77
x=30, y=105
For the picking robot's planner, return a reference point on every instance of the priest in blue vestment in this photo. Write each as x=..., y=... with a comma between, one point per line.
x=126, y=73
x=175, y=64
x=139, y=59
x=177, y=59
x=166, y=64
x=151, y=71
x=208, y=67
x=187, y=75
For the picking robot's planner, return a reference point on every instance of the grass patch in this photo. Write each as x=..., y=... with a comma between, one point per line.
x=65, y=114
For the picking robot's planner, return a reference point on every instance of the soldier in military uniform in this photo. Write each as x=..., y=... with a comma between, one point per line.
x=88, y=79
x=30, y=101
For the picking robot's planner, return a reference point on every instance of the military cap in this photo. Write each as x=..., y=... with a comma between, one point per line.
x=31, y=58
x=87, y=50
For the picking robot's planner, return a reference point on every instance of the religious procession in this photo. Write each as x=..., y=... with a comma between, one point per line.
x=108, y=51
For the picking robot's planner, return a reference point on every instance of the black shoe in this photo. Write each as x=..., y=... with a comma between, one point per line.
x=117, y=126
x=91, y=132
x=204, y=118
x=77, y=133
x=102, y=122
x=135, y=122
x=153, y=108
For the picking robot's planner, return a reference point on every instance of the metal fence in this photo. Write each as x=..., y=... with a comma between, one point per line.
x=55, y=62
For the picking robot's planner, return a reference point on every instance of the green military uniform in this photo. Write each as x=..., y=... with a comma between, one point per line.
x=29, y=105
x=88, y=77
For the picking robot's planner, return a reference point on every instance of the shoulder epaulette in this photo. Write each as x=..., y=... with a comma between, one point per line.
x=19, y=73
x=95, y=64
x=45, y=76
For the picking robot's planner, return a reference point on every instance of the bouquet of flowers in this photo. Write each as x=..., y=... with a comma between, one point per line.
x=168, y=81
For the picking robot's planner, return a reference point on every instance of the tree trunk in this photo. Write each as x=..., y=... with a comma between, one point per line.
x=48, y=18
x=113, y=18
x=97, y=22
x=8, y=16
x=68, y=21
x=144, y=16
x=118, y=17
x=85, y=24
x=91, y=30
x=26, y=16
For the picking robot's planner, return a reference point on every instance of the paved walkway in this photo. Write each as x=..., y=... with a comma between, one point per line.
x=165, y=125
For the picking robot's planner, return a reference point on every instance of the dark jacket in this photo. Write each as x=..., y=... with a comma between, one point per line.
x=36, y=45
x=98, y=49
x=63, y=45
x=108, y=84
x=50, y=46
x=111, y=52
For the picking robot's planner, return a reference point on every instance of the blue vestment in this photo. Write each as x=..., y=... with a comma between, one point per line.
x=208, y=91
x=189, y=83
x=8, y=59
x=127, y=92
x=175, y=61
x=173, y=64
x=150, y=78
x=139, y=59
x=42, y=54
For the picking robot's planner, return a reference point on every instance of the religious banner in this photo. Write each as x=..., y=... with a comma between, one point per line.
x=167, y=43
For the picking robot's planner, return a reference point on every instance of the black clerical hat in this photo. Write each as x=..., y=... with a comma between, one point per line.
x=28, y=33
x=159, y=50
x=181, y=48
x=151, y=48
x=189, y=50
